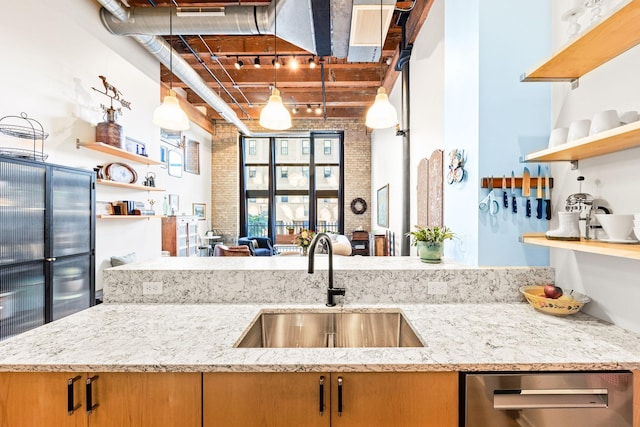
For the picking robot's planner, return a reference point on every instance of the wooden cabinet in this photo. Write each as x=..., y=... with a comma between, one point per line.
x=180, y=235
x=636, y=398
x=267, y=399
x=350, y=399
x=360, y=243
x=122, y=399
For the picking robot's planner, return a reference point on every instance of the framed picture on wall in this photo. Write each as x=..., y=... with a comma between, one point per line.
x=200, y=210
x=383, y=206
x=192, y=156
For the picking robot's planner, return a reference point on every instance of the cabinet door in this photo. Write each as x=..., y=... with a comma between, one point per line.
x=135, y=399
x=265, y=399
x=392, y=399
x=40, y=399
x=636, y=398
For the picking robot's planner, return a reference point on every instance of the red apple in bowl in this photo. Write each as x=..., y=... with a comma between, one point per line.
x=552, y=291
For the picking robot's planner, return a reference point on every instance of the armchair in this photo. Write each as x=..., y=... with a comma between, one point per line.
x=263, y=248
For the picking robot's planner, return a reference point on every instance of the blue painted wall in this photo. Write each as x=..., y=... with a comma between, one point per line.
x=514, y=119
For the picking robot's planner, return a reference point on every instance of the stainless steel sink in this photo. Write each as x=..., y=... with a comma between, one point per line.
x=326, y=329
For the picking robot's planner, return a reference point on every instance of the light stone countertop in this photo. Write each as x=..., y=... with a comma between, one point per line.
x=201, y=338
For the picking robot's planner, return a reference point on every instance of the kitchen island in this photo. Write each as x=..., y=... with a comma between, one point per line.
x=201, y=338
x=171, y=359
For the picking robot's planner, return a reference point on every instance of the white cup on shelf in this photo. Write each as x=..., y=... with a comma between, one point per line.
x=604, y=120
x=578, y=129
x=629, y=117
x=558, y=136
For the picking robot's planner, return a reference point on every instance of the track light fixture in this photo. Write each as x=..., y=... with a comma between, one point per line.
x=256, y=62
x=276, y=63
x=312, y=63
x=309, y=110
x=239, y=64
x=295, y=110
x=318, y=110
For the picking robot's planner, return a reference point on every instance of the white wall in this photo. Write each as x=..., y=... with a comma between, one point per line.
x=426, y=124
x=612, y=283
x=52, y=55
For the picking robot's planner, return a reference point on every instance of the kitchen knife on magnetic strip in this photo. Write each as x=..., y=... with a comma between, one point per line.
x=514, y=206
x=539, y=194
x=526, y=189
x=547, y=194
x=505, y=199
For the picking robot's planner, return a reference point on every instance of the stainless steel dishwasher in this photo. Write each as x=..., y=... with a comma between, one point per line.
x=540, y=399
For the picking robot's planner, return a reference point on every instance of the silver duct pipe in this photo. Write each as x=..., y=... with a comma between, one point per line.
x=159, y=48
x=295, y=22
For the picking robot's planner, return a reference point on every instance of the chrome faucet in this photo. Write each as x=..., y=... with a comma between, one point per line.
x=331, y=291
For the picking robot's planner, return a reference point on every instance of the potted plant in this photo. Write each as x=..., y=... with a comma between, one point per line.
x=430, y=242
x=303, y=239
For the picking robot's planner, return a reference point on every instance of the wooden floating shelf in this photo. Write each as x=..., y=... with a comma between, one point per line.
x=620, y=250
x=127, y=216
x=611, y=141
x=604, y=41
x=118, y=152
x=125, y=185
x=497, y=182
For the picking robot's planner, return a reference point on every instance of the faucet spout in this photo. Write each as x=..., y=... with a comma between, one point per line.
x=331, y=291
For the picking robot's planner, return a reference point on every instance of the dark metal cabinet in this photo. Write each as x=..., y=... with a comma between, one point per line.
x=47, y=243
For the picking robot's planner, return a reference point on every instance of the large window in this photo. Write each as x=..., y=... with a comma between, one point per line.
x=290, y=184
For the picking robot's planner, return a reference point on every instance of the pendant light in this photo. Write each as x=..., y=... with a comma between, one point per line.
x=274, y=115
x=382, y=114
x=169, y=115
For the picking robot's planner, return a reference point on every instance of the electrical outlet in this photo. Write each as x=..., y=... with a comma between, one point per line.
x=437, y=288
x=462, y=244
x=151, y=288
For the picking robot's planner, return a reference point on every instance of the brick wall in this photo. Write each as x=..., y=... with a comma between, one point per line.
x=225, y=194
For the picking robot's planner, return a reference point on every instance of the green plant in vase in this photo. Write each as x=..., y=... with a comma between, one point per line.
x=430, y=242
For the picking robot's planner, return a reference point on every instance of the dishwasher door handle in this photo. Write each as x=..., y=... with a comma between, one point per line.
x=553, y=398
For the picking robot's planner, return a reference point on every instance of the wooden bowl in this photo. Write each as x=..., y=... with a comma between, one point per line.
x=569, y=303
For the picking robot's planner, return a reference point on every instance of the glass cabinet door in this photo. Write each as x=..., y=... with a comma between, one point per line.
x=21, y=298
x=22, y=201
x=71, y=213
x=70, y=285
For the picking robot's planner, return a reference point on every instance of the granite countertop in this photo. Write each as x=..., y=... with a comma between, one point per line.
x=201, y=338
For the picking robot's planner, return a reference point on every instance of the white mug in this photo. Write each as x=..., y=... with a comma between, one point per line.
x=629, y=117
x=604, y=120
x=578, y=129
x=558, y=136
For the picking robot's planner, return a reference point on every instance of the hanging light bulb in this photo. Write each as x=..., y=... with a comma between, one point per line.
x=239, y=64
x=256, y=62
x=382, y=114
x=169, y=115
x=293, y=63
x=274, y=115
x=312, y=63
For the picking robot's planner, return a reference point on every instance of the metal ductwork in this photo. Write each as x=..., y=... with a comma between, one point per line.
x=295, y=22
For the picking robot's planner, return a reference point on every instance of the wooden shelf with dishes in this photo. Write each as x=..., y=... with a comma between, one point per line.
x=129, y=186
x=605, y=40
x=128, y=216
x=620, y=250
x=610, y=141
x=118, y=152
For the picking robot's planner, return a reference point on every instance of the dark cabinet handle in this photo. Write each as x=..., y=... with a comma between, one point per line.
x=90, y=405
x=514, y=206
x=321, y=395
x=71, y=407
x=339, y=396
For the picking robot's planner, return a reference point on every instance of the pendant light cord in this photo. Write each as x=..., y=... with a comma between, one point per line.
x=170, y=47
x=381, y=45
x=275, y=43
